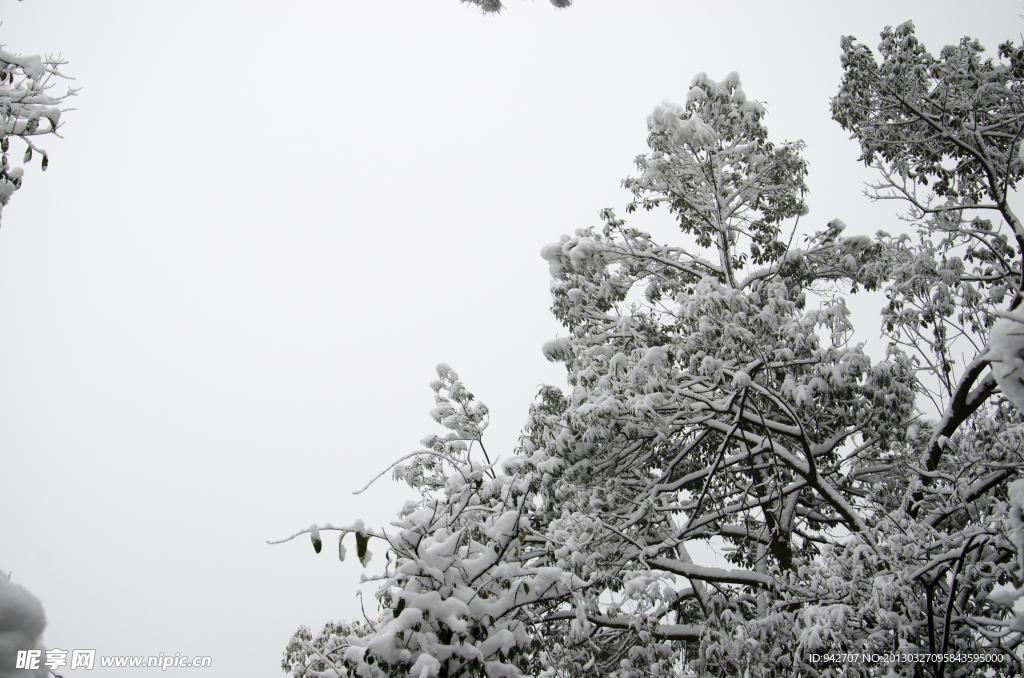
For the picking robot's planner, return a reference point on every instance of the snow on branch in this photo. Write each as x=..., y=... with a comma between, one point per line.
x=28, y=110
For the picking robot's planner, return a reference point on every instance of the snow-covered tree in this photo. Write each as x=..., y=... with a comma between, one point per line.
x=28, y=110
x=715, y=393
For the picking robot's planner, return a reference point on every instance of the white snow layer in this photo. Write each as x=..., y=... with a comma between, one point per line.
x=1006, y=350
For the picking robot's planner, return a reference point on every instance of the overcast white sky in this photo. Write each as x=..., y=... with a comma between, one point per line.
x=268, y=222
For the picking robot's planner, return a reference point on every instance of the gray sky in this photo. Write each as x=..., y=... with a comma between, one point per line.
x=268, y=221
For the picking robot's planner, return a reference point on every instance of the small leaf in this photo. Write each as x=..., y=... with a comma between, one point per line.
x=526, y=588
x=28, y=155
x=399, y=607
x=361, y=540
x=4, y=144
x=314, y=535
x=46, y=162
x=341, y=547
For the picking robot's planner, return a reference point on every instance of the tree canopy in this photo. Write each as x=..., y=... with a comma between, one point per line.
x=715, y=393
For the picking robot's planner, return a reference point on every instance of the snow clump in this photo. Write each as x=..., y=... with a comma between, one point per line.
x=21, y=625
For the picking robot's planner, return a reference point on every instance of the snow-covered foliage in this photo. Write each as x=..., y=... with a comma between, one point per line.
x=306, y=652
x=949, y=127
x=27, y=109
x=21, y=627
x=495, y=6
x=714, y=393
